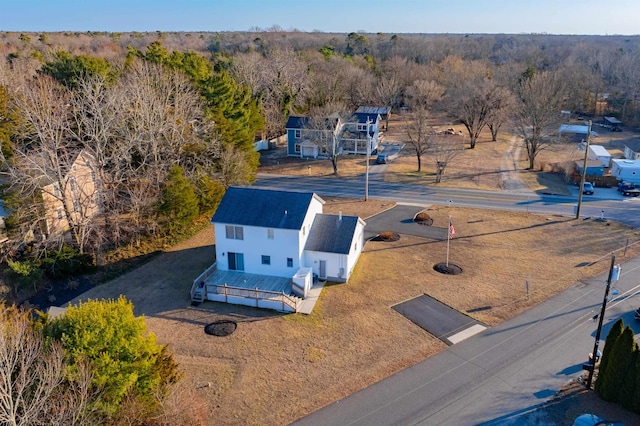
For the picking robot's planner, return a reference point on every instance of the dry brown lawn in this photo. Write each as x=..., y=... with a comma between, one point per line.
x=478, y=168
x=276, y=368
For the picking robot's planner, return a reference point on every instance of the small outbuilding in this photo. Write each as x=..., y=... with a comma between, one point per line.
x=594, y=167
x=613, y=124
x=600, y=153
x=575, y=130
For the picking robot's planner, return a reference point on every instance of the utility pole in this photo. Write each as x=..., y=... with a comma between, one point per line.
x=614, y=274
x=366, y=178
x=584, y=170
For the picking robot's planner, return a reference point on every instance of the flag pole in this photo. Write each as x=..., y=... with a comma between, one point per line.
x=448, y=238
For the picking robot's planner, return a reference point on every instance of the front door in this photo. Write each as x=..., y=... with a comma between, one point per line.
x=236, y=261
x=323, y=270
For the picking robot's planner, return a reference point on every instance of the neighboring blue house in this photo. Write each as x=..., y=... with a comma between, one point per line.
x=384, y=112
x=350, y=137
x=353, y=134
x=305, y=141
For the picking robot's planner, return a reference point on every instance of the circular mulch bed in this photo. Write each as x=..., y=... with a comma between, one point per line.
x=423, y=218
x=221, y=328
x=452, y=269
x=387, y=236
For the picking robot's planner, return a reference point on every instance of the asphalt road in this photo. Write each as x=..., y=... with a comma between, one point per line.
x=608, y=201
x=499, y=376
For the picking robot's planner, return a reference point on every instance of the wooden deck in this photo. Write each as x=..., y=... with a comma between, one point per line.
x=250, y=281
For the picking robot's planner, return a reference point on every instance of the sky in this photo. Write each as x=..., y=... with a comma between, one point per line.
x=342, y=16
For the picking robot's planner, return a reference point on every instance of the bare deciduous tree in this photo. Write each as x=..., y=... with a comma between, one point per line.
x=444, y=149
x=503, y=105
x=322, y=129
x=419, y=133
x=480, y=105
x=537, y=115
x=34, y=389
x=423, y=94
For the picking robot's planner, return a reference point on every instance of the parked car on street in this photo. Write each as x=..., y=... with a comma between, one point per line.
x=588, y=188
x=382, y=159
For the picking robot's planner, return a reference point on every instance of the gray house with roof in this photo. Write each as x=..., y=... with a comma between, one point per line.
x=281, y=234
x=359, y=134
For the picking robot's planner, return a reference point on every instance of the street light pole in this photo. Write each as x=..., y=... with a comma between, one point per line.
x=613, y=270
x=366, y=179
x=584, y=170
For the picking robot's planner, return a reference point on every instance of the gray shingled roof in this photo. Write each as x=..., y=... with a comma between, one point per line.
x=296, y=122
x=330, y=234
x=263, y=208
x=633, y=144
x=374, y=110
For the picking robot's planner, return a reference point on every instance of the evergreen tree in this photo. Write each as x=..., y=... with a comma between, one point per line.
x=69, y=70
x=621, y=359
x=179, y=201
x=126, y=361
x=613, y=335
x=8, y=120
x=628, y=388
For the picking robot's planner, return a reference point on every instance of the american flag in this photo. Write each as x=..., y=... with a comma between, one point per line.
x=452, y=231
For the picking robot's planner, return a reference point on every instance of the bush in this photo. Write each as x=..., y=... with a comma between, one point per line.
x=24, y=273
x=66, y=262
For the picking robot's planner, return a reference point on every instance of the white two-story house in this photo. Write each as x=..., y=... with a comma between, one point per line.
x=280, y=234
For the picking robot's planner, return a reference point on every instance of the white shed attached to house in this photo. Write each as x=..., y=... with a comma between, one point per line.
x=334, y=245
x=600, y=153
x=626, y=170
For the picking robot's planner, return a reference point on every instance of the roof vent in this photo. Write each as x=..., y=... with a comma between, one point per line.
x=285, y=212
x=340, y=215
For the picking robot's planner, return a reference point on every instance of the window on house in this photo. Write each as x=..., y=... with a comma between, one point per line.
x=289, y=262
x=270, y=234
x=76, y=206
x=74, y=184
x=266, y=260
x=362, y=127
x=297, y=148
x=59, y=211
x=297, y=133
x=56, y=189
x=234, y=232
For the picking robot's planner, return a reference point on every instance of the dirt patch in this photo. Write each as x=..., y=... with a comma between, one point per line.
x=448, y=269
x=221, y=328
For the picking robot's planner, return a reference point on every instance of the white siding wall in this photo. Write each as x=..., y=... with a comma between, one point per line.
x=628, y=174
x=356, y=248
x=255, y=244
x=334, y=264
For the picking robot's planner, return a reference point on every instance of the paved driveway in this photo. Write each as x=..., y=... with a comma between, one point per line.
x=400, y=219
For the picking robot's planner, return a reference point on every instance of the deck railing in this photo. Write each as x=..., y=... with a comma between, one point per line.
x=202, y=278
x=254, y=294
